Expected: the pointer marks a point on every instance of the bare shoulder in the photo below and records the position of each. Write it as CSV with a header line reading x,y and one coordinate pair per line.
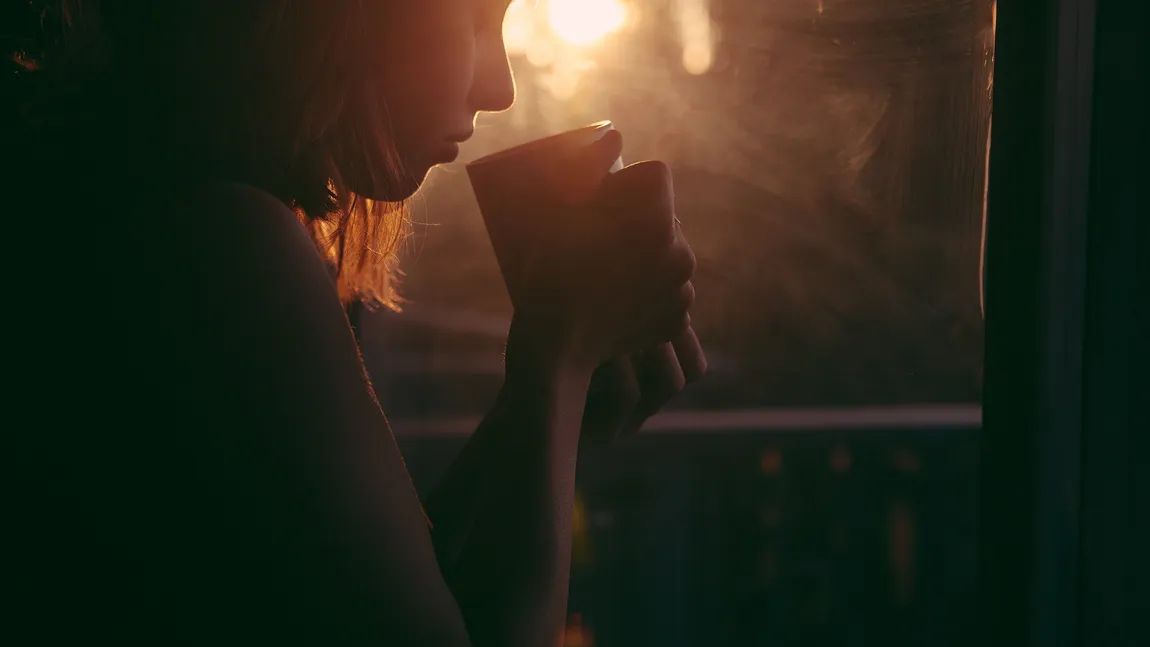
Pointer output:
x,y
248,268
261,299
296,434
241,229
242,213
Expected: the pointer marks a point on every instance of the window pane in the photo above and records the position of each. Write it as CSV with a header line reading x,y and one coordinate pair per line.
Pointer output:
x,y
829,160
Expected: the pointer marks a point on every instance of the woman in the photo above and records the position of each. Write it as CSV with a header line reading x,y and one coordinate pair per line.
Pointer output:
x,y
195,155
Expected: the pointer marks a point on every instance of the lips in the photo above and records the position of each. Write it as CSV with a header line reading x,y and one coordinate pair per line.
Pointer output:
x,y
448,152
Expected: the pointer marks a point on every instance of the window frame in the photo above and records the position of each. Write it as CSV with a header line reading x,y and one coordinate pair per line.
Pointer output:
x,y
1058,505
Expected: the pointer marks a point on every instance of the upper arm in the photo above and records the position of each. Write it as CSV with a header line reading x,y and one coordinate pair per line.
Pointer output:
x,y
313,509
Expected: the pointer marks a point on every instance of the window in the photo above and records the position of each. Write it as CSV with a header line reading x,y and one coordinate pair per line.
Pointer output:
x,y
830,164
829,159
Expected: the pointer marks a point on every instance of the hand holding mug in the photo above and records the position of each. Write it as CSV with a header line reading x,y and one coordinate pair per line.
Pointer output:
x,y
596,266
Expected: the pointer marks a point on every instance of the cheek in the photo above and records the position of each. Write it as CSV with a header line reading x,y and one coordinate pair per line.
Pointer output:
x,y
428,75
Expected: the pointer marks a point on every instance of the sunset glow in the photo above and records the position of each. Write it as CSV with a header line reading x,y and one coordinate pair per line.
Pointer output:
x,y
560,38
577,23
582,22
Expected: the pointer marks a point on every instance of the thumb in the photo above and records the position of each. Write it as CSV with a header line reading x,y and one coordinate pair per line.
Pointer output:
x,y
576,179
602,155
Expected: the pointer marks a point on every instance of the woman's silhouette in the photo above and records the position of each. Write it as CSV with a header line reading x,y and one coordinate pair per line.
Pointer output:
x,y
211,464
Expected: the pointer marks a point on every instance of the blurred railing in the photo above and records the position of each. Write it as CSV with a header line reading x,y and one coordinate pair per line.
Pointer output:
x,y
833,529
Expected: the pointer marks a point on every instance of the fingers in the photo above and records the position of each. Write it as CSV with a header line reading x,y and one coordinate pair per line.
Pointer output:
x,y
641,198
646,267
577,180
660,379
680,261
603,154
640,203
670,317
630,389
689,352
611,400
666,271
682,301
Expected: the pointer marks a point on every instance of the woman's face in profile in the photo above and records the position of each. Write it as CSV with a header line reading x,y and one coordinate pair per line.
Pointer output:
x,y
440,62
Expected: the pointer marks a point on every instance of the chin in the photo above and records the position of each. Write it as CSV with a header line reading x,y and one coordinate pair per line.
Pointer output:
x,y
372,174
395,189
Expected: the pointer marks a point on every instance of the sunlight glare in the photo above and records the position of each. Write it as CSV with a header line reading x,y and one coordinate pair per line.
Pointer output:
x,y
582,22
518,27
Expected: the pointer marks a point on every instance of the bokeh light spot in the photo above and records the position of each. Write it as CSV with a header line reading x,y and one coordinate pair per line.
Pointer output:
x,y
582,22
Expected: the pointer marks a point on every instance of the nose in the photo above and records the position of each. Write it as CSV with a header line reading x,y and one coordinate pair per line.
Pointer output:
x,y
493,86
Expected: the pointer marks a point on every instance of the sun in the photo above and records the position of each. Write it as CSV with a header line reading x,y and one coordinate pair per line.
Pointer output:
x,y
561,34
582,22
575,22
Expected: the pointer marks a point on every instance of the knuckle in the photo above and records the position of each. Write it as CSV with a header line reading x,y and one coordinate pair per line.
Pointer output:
x,y
676,267
685,299
692,261
684,263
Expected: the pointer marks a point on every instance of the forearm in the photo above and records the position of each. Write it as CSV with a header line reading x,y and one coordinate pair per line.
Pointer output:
x,y
511,574
454,503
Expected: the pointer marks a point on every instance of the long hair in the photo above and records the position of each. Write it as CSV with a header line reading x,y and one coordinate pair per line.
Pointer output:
x,y
268,92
